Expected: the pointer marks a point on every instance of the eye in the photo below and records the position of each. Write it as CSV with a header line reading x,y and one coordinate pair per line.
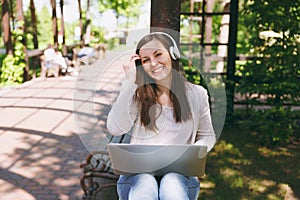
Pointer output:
x,y
145,60
158,54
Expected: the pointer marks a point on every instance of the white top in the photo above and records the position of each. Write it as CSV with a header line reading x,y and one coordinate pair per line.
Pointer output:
x,y
169,132
199,130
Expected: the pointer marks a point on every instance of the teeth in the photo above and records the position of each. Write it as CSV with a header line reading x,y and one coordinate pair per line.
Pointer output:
x,y
157,70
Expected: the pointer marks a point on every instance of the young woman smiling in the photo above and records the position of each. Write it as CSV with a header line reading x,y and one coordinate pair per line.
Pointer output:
x,y
163,108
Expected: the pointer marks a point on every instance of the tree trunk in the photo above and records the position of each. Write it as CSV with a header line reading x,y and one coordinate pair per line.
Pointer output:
x,y
11,13
80,21
34,25
20,18
6,28
62,30
36,60
54,23
87,24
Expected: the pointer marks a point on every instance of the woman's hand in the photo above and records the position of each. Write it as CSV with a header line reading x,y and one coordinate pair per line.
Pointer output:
x,y
129,67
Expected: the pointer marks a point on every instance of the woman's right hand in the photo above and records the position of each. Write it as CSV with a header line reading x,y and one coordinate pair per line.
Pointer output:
x,y
130,68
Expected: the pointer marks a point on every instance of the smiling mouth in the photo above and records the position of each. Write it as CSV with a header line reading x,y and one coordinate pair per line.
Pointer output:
x,y
157,70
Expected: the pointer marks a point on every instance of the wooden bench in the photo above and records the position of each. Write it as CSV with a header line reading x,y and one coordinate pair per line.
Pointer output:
x,y
98,180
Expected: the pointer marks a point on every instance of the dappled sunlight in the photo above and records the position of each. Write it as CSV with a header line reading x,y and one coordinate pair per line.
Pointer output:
x,y
207,184
227,172
231,154
223,147
241,169
260,186
40,153
266,152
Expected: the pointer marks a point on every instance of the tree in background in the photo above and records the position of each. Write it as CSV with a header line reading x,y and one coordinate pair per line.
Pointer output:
x,y
34,25
54,23
126,8
20,43
44,27
15,68
80,20
6,28
273,77
62,28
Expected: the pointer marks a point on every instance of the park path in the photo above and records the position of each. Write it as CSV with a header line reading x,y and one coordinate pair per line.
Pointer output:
x,y
43,129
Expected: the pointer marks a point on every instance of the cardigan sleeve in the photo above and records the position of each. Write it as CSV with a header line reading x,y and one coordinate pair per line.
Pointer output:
x,y
205,133
124,110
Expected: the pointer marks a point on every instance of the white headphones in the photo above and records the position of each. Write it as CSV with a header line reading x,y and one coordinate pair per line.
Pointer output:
x,y
174,50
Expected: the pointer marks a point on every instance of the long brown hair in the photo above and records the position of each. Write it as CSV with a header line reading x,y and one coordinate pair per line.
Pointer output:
x,y
147,91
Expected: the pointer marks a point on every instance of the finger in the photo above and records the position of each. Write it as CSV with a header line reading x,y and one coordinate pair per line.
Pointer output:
x,y
135,57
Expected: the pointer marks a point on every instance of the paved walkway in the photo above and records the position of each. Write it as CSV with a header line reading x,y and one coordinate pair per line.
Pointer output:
x,y
48,126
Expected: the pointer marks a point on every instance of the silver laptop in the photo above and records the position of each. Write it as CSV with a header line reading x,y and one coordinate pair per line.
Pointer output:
x,y
188,160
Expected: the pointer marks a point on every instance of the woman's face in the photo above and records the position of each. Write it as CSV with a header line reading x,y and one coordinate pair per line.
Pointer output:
x,y
156,60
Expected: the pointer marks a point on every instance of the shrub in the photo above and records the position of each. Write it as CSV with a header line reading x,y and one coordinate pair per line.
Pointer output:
x,y
270,127
11,71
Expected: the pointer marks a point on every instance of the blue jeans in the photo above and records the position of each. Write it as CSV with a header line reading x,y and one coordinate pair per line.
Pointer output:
x,y
149,187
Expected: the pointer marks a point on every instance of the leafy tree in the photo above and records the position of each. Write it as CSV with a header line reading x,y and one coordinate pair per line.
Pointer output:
x,y
125,8
275,73
44,28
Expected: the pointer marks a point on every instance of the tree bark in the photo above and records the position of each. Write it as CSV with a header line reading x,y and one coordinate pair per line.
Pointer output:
x,y
34,25
6,28
87,24
62,30
54,23
80,21
20,18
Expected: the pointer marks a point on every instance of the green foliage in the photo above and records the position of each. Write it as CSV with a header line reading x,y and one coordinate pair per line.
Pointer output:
x,y
13,65
11,71
126,8
239,168
270,127
44,27
192,74
273,77
276,71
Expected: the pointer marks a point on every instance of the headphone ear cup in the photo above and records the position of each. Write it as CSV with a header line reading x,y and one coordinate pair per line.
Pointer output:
x,y
172,54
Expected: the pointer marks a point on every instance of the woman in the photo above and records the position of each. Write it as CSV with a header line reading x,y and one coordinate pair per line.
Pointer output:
x,y
163,108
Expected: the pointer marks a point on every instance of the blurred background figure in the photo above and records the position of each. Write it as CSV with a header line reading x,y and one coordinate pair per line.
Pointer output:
x,y
54,63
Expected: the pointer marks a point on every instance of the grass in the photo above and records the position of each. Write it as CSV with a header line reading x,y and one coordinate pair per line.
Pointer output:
x,y
239,169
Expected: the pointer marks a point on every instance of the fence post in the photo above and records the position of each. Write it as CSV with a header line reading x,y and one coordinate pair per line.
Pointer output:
x,y
230,74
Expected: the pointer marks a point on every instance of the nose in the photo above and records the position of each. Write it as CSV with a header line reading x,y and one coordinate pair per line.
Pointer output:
x,y
153,62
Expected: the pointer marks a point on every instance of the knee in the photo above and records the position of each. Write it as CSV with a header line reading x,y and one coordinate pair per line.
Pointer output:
x,y
172,187
147,179
172,179
146,187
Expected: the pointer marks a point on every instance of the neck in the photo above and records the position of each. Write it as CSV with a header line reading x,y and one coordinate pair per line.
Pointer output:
x,y
163,96
164,85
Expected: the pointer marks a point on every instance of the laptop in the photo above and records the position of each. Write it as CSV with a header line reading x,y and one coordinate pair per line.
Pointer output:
x,y
188,160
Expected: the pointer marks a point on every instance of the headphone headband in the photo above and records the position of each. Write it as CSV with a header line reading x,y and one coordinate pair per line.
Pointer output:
x,y
174,50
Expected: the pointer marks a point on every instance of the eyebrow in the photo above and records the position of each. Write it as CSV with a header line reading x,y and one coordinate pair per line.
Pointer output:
x,y
153,53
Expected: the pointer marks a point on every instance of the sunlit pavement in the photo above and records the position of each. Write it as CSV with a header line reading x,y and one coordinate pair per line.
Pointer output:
x,y
41,147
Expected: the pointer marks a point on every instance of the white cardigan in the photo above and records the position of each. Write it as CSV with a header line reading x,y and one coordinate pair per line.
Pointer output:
x,y
124,112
